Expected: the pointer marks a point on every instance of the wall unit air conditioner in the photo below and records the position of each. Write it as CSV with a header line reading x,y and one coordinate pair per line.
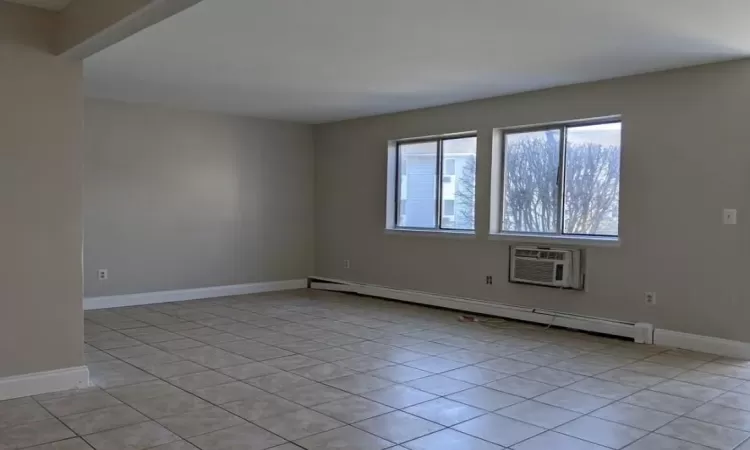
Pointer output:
x,y
553,267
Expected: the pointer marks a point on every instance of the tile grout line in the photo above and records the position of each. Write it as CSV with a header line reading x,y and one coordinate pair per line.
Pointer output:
x,y
427,356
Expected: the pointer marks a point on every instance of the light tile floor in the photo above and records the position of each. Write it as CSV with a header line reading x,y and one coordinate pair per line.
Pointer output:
x,y
320,370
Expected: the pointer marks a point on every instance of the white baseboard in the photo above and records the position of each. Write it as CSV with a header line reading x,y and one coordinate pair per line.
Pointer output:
x,y
148,298
705,344
44,382
545,317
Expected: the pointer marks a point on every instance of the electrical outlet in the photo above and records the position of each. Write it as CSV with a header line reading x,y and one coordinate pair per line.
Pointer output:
x,y
650,298
347,264
730,217
488,280
103,274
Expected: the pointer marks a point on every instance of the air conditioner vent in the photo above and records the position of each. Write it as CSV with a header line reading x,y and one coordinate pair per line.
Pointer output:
x,y
542,271
547,267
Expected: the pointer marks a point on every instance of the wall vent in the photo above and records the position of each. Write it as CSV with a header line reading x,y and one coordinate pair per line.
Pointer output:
x,y
560,268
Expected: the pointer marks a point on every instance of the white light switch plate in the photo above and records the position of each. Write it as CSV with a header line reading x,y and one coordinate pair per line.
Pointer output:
x,y
730,217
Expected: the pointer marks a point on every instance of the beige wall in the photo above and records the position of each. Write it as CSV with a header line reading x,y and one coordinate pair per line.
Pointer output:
x,y
686,156
41,315
179,200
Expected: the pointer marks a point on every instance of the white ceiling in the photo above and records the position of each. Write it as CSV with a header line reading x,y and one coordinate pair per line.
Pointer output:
x,y
325,60
52,5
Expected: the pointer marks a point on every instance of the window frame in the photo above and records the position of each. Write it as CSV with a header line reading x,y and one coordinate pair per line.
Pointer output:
x,y
562,127
439,140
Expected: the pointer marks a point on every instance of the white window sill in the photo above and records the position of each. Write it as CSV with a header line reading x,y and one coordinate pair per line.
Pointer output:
x,y
582,241
416,232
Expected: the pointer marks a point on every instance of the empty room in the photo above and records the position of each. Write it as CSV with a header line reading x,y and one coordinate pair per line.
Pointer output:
x,y
370,225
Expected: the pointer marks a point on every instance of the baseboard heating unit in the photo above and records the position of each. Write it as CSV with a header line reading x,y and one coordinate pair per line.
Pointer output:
x,y
640,332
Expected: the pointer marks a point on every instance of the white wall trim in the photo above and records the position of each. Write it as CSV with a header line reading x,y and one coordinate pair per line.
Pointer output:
x,y
44,382
140,19
556,239
545,317
148,298
445,234
705,344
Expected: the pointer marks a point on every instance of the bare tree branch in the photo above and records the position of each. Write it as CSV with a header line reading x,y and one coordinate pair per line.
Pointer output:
x,y
465,194
592,175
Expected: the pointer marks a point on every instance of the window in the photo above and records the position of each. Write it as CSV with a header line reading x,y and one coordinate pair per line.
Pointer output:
x,y
448,207
449,167
562,179
422,201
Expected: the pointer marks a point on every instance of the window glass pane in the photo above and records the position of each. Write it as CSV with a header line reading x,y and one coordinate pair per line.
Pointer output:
x,y
592,179
532,161
448,207
460,158
449,167
417,185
